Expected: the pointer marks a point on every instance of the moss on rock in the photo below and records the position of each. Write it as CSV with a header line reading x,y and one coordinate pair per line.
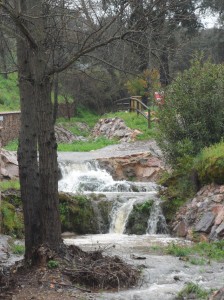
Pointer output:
x,y
12,214
138,218
77,214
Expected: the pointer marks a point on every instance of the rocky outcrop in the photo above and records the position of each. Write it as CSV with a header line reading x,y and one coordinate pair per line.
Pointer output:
x,y
114,128
65,136
9,164
202,218
138,167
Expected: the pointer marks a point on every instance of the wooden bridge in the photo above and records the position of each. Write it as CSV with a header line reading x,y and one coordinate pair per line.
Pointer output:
x,y
134,104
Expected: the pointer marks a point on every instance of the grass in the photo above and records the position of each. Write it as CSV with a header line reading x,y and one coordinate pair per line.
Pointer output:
x,y
9,93
9,184
195,290
81,146
135,122
18,249
201,251
90,119
12,146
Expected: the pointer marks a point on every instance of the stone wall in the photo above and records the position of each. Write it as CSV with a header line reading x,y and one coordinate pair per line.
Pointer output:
x,y
10,124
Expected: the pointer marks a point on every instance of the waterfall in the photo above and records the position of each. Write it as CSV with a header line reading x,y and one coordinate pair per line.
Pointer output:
x,y
89,178
119,216
156,222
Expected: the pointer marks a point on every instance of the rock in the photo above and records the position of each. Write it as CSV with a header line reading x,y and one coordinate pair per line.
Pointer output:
x,y
9,167
65,136
114,128
181,229
206,222
218,295
202,214
142,167
220,230
220,216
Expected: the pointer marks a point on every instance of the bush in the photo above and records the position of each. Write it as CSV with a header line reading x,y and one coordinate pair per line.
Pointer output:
x,y
193,114
210,164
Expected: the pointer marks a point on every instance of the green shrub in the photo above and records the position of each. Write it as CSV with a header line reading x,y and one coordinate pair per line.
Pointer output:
x,y
193,114
194,291
53,264
9,93
12,220
9,184
210,164
77,214
18,249
177,250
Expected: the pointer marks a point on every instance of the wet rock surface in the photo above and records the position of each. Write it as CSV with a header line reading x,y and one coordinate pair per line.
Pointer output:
x,y
138,167
203,216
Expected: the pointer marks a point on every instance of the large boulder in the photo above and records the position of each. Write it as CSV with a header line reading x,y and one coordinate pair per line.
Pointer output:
x,y
65,136
9,164
138,167
202,218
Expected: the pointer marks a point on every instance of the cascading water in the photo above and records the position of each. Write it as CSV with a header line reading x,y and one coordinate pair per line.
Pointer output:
x,y
88,178
119,216
157,221
162,276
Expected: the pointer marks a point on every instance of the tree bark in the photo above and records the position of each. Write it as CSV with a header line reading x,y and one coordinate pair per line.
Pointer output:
x,y
39,180
48,167
27,152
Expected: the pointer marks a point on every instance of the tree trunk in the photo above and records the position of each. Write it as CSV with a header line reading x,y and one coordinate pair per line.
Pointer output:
x,y
3,56
164,67
55,112
48,167
39,182
27,152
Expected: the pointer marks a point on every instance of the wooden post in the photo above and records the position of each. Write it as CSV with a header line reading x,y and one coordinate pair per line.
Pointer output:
x,y
149,117
138,106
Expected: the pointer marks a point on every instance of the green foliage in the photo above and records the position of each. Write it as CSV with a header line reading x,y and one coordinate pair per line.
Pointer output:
x,y
177,250
210,164
138,218
12,146
83,115
9,93
181,185
214,250
77,214
145,84
193,290
12,220
17,249
9,184
193,114
53,264
200,251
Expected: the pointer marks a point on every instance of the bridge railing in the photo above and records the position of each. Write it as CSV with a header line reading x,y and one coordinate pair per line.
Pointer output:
x,y
134,104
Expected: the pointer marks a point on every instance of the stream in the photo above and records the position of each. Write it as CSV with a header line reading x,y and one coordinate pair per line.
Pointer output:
x,y
163,276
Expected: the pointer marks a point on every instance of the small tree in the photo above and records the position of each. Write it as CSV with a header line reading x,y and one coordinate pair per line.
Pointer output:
x,y
193,114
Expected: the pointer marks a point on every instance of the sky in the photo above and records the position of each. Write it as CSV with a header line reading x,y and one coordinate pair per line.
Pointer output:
x,y
209,21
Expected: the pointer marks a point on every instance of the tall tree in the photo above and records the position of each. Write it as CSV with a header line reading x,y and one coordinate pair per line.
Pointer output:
x,y
45,46
51,36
